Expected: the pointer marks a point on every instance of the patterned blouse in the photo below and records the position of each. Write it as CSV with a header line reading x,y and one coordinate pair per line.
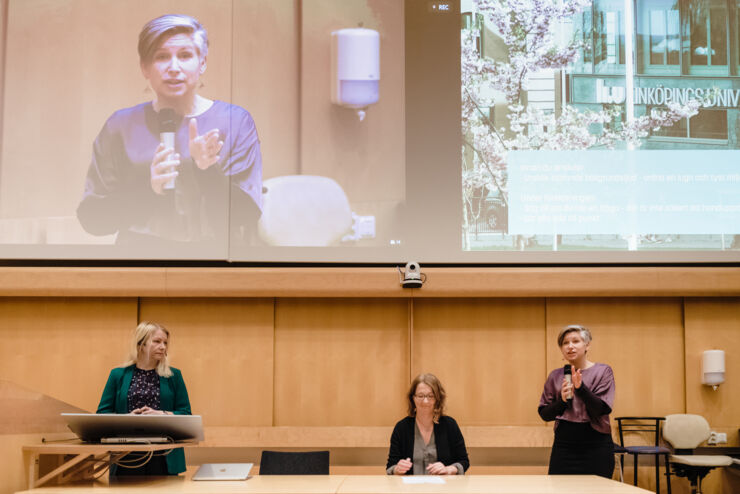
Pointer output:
x,y
144,390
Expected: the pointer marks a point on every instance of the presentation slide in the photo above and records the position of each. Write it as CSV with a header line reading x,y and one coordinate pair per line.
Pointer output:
x,y
568,147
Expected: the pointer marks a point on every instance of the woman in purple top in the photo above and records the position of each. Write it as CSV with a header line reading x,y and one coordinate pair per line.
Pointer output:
x,y
151,193
580,405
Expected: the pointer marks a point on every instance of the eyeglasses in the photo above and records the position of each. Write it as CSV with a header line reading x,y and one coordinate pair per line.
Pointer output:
x,y
429,397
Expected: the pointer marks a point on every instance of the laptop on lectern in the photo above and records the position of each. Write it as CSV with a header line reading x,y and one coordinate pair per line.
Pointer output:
x,y
119,428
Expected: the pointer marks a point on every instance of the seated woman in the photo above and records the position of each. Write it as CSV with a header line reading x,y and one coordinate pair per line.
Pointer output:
x,y
427,442
146,384
580,407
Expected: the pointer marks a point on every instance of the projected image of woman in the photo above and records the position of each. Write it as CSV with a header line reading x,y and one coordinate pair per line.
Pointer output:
x,y
146,384
580,405
427,442
146,191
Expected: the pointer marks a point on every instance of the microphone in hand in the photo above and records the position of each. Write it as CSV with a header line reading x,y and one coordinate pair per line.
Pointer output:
x,y
167,128
568,376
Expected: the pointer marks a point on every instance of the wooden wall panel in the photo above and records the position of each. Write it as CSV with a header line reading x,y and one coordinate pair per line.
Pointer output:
x,y
641,339
224,348
488,353
352,354
714,324
64,348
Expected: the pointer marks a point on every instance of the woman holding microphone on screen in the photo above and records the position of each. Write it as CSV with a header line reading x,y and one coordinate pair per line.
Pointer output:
x,y
579,398
181,167
147,385
427,442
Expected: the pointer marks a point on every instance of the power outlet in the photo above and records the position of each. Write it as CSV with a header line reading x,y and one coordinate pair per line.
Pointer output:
x,y
717,438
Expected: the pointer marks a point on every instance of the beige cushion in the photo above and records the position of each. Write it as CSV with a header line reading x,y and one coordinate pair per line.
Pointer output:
x,y
702,460
304,211
685,431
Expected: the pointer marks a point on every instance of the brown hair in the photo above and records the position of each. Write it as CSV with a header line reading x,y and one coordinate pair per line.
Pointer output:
x,y
439,394
153,31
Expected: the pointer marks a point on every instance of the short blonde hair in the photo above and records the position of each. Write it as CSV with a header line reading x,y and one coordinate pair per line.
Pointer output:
x,y
440,395
142,335
153,33
583,330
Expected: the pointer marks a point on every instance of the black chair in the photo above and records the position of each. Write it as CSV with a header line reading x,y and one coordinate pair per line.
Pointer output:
x,y
294,463
650,426
620,451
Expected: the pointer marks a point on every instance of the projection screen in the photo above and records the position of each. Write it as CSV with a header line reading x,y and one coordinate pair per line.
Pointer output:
x,y
370,131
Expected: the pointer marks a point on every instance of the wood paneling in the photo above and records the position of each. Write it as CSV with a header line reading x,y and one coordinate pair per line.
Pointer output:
x,y
368,282
224,349
641,339
353,354
64,348
488,353
581,282
81,282
714,324
492,436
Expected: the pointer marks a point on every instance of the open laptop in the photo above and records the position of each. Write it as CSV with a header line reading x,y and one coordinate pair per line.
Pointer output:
x,y
223,471
123,428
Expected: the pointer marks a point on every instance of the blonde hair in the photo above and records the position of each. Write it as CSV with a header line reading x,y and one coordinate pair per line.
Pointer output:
x,y
582,330
156,30
439,395
141,336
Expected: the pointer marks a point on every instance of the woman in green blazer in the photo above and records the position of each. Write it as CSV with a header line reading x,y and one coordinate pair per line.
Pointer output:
x,y
146,384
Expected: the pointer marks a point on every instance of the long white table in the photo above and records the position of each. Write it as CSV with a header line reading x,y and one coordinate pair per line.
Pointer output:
x,y
353,484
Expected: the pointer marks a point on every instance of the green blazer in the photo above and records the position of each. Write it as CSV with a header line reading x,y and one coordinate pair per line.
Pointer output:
x,y
173,397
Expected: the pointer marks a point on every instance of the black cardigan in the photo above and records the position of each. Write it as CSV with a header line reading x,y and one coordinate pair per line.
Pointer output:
x,y
447,436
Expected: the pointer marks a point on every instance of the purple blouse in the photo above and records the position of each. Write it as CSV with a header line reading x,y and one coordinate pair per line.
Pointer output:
x,y
599,379
118,197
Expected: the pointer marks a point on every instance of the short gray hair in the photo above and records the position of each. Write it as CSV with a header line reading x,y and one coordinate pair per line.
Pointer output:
x,y
583,330
153,32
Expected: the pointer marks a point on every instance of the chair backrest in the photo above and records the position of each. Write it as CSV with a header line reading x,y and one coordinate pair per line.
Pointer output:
x,y
304,211
685,431
294,463
644,425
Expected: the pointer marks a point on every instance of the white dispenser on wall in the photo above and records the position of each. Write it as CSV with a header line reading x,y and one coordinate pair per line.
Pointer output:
x,y
355,67
713,368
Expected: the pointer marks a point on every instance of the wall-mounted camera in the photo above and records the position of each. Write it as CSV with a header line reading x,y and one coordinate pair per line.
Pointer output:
x,y
412,277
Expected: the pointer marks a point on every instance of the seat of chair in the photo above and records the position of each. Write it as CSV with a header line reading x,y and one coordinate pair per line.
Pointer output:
x,y
702,460
647,450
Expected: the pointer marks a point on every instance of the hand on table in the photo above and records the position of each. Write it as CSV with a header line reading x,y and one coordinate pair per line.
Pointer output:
x,y
402,467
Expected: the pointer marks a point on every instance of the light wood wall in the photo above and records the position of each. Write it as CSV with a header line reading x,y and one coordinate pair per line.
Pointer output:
x,y
332,371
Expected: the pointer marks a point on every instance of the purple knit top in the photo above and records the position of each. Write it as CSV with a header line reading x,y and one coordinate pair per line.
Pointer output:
x,y
599,379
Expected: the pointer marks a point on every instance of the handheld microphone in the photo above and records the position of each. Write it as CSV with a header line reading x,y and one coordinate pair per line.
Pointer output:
x,y
167,127
569,378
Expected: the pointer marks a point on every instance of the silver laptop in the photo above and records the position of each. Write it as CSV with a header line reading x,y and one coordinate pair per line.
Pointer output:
x,y
223,471
95,427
